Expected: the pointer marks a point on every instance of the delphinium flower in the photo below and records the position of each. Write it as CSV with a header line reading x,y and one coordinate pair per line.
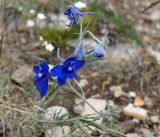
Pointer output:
x,y
100,51
80,50
67,70
73,14
41,77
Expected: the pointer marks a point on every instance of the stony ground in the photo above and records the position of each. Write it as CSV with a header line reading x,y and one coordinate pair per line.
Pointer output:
x,y
131,74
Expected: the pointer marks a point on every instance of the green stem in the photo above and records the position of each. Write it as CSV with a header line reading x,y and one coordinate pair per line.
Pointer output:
x,y
51,96
82,98
82,91
94,37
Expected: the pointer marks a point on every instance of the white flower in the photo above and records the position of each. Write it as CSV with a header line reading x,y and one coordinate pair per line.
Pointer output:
x,y
48,46
32,11
41,38
41,16
80,4
30,23
20,8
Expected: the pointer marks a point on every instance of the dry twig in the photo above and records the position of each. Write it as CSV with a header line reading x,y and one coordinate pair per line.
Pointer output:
x,y
151,6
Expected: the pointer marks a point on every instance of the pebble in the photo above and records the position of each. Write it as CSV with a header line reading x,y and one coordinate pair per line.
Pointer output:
x,y
136,112
98,104
138,102
78,101
117,91
155,119
56,131
83,83
78,109
132,94
94,87
155,15
22,74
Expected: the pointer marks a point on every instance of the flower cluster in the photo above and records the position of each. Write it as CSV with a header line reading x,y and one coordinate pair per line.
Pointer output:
x,y
68,67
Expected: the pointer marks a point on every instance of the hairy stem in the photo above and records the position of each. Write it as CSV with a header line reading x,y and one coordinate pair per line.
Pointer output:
x,y
79,95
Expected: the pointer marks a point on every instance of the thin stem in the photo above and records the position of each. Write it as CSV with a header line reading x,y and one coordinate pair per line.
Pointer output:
x,y
53,95
3,26
96,39
82,98
81,27
14,109
82,91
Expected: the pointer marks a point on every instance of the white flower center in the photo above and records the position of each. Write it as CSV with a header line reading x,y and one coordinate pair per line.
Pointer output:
x,y
69,68
39,75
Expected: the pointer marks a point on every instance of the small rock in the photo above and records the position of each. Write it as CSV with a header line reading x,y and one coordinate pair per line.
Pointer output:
x,y
155,119
131,135
123,52
117,91
135,120
83,83
94,87
22,74
78,109
78,101
135,112
138,102
146,132
155,15
132,94
56,131
99,105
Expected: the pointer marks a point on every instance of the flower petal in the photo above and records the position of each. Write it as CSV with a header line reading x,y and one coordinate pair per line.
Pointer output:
x,y
62,81
69,60
42,87
43,65
56,71
99,51
71,23
36,69
78,64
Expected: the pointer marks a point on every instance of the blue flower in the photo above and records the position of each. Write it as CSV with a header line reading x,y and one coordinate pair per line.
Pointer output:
x,y
67,70
99,51
73,15
80,51
41,77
